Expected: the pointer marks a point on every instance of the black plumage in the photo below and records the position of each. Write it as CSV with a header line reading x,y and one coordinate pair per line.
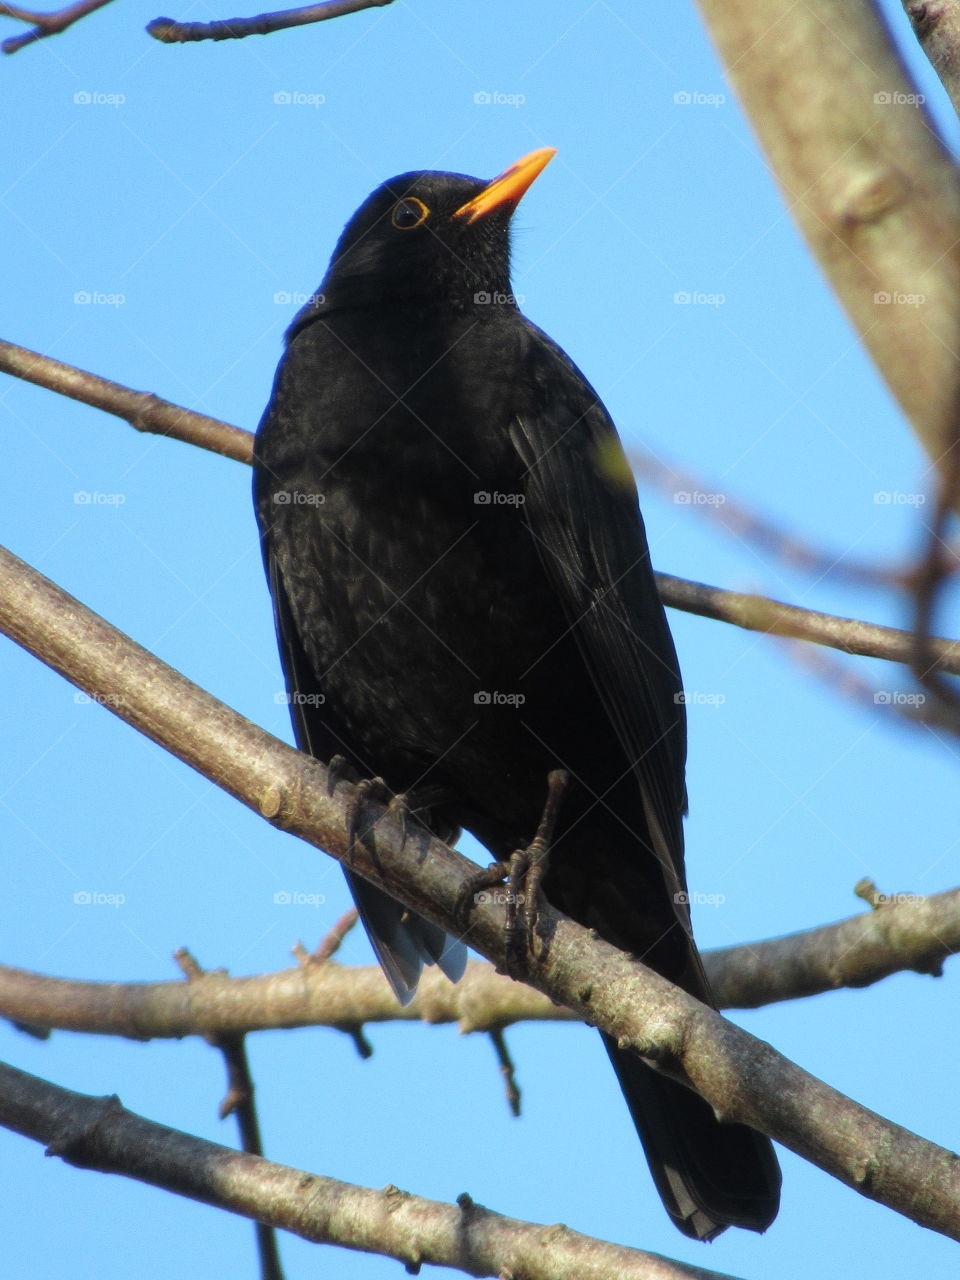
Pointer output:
x,y
464,602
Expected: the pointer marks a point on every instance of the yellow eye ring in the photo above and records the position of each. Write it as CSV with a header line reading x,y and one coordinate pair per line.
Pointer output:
x,y
409,213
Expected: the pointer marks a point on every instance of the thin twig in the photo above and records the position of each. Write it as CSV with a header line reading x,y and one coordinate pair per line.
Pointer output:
x,y
169,31
330,945
143,410
759,533
906,706
937,563
773,617
45,24
239,1101
507,1069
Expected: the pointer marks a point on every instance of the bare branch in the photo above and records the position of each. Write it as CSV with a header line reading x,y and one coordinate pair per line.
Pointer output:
x,y
100,1134
907,706
873,189
759,613
143,410
330,945
147,412
905,931
169,31
937,564
239,1102
45,24
756,531
742,1078
937,27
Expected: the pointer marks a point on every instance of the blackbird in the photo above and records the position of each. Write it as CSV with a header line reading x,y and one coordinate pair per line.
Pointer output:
x,y
466,610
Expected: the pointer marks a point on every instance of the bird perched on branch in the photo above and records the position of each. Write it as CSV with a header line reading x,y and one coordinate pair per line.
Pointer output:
x,y
466,611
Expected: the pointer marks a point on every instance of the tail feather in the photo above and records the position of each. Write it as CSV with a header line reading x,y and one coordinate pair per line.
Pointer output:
x,y
710,1175
404,941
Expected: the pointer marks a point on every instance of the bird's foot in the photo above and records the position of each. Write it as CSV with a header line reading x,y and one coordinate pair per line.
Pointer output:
x,y
400,806
523,874
367,789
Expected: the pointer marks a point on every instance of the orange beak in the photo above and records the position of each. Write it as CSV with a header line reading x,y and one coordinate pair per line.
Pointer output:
x,y
509,187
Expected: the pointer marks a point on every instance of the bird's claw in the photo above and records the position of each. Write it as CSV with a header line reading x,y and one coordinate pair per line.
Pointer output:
x,y
523,873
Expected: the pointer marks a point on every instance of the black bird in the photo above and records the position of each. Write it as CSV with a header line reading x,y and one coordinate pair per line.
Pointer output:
x,y
465,607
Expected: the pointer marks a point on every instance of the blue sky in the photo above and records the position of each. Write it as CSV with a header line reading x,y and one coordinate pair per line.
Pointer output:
x,y
189,193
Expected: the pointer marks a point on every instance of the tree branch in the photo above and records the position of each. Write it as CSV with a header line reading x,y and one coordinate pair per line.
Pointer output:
x,y
742,1078
874,191
147,412
904,931
143,410
937,28
169,31
100,1134
754,530
45,24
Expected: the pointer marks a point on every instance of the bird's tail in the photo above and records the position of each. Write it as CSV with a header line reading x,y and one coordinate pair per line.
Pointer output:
x,y
710,1175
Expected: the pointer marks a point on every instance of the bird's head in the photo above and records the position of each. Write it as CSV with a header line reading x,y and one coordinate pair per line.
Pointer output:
x,y
428,239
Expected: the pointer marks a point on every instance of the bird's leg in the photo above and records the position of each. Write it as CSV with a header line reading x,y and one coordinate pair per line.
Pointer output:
x,y
523,872
528,867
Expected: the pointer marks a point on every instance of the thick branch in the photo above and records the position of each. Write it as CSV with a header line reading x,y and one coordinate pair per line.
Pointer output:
x,y
904,932
742,1078
937,27
148,412
862,170
100,1134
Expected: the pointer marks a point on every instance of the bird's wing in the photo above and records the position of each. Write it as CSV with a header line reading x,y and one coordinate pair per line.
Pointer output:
x,y
581,509
402,940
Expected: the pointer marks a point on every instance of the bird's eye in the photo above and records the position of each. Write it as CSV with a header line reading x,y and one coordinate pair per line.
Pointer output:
x,y
408,214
